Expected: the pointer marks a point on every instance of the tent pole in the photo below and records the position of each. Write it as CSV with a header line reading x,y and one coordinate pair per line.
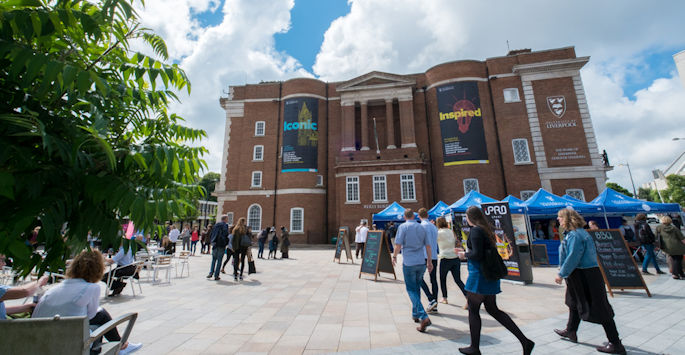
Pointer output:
x,y
606,220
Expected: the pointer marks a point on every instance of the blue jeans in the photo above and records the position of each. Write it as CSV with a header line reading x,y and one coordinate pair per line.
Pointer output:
x,y
217,256
413,275
261,248
649,257
193,246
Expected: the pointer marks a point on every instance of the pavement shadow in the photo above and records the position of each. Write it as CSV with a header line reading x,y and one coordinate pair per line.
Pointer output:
x,y
541,285
629,349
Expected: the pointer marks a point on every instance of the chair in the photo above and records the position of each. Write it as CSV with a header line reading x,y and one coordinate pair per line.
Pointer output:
x,y
59,335
162,262
183,259
139,267
148,260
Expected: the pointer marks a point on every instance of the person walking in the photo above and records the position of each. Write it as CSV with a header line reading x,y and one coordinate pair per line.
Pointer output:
x,y
241,241
390,234
194,238
229,253
586,297
432,235
185,237
273,243
647,239
208,239
219,240
481,290
673,244
411,239
360,238
173,237
449,260
261,241
285,245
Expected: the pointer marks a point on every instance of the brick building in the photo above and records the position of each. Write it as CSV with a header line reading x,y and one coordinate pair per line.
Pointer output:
x,y
314,156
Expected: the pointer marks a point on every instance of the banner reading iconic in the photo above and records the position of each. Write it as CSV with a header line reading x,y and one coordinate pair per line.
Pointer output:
x,y
300,134
461,124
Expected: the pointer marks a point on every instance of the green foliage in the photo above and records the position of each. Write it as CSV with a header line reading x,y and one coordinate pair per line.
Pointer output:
x,y
646,194
87,139
618,188
675,192
208,182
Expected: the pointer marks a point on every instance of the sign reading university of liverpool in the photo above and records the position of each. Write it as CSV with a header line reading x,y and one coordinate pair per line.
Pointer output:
x,y
300,134
461,124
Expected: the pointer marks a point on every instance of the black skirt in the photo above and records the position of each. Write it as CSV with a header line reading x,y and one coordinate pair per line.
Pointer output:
x,y
586,293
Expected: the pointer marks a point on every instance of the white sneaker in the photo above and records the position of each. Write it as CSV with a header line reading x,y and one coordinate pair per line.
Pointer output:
x,y
132,347
432,306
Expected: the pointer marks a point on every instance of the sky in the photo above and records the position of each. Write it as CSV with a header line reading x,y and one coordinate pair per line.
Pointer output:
x,y
633,90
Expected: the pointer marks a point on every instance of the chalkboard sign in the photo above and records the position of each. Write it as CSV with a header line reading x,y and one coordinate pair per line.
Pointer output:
x,y
343,243
615,261
376,255
540,256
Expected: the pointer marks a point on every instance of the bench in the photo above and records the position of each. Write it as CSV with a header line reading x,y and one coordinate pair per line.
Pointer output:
x,y
59,335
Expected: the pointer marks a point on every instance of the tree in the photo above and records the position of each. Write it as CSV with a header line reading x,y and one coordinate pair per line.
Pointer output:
x,y
645,194
675,192
618,188
208,182
87,139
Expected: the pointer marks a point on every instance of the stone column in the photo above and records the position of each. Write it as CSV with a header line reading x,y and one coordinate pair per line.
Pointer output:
x,y
365,126
347,126
407,124
390,124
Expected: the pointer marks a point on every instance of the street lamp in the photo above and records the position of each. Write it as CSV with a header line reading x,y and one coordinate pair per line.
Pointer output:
x,y
631,177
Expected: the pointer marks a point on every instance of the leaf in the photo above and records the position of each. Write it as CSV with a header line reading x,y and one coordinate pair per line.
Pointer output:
x,y
83,82
7,185
68,76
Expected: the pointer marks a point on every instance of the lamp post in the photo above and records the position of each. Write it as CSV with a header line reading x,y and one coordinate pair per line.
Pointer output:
x,y
631,177
206,207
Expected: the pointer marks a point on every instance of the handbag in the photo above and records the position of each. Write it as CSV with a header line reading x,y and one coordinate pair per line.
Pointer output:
x,y
492,266
245,241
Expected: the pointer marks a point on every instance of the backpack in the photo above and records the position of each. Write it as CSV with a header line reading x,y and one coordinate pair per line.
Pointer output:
x,y
219,238
629,234
492,265
245,240
645,233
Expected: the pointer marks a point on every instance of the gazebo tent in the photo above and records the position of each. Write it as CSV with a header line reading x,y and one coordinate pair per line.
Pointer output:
x,y
571,198
547,203
440,209
613,202
393,213
473,198
515,205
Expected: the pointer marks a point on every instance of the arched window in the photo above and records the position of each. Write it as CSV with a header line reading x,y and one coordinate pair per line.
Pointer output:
x,y
254,217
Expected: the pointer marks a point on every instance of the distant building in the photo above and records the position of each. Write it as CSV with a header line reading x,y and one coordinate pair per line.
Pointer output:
x,y
314,156
659,182
207,212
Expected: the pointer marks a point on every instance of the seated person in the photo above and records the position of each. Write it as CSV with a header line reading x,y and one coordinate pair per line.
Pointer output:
x,y
13,293
79,295
167,245
125,267
538,233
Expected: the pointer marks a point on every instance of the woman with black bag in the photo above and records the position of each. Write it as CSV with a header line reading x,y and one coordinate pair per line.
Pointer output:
x,y
242,240
483,259
586,297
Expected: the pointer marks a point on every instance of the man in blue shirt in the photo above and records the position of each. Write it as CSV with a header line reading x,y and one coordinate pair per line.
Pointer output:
x,y
432,235
125,267
411,239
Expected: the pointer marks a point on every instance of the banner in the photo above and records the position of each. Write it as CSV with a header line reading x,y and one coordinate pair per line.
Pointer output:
x,y
499,216
461,124
300,135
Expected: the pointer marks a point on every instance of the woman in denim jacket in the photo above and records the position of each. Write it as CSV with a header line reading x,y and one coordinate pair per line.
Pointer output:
x,y
586,296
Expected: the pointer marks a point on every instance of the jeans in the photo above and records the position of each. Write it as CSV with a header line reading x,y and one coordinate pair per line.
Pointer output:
x,y
193,246
413,275
186,243
649,257
239,259
432,293
217,256
260,253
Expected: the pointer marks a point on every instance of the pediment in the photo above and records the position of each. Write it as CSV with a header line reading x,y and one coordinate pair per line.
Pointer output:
x,y
376,80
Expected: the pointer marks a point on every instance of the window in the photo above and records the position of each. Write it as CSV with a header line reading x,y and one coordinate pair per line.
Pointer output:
x,y
407,183
319,180
297,220
526,194
256,179
470,185
379,188
258,153
521,152
576,193
511,95
259,128
254,217
230,218
353,189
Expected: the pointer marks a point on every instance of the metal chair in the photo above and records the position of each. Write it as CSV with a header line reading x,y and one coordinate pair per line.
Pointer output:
x,y
162,262
133,279
148,261
183,259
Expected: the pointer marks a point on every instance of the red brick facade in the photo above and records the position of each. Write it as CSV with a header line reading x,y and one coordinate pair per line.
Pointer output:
x,y
562,150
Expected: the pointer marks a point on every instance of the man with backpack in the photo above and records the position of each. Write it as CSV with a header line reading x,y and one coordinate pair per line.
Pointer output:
x,y
219,241
647,240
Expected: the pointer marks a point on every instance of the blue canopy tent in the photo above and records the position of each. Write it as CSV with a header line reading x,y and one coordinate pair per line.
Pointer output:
x,y
613,202
571,198
473,198
547,203
515,205
440,209
393,213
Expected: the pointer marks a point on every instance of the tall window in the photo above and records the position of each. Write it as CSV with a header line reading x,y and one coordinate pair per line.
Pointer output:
x,y
407,183
352,189
297,220
230,218
380,192
511,95
254,217
471,185
259,128
521,152
256,179
576,193
526,194
258,153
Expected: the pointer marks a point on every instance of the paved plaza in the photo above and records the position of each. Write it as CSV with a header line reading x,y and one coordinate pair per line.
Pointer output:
x,y
309,304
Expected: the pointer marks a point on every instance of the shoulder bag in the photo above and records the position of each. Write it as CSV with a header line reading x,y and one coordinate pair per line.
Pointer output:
x,y
492,266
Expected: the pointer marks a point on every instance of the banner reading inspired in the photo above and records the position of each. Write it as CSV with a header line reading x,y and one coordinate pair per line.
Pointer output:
x,y
300,134
461,124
